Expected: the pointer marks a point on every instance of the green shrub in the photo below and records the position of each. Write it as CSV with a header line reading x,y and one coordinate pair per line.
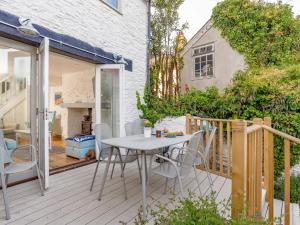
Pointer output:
x,y
196,210
255,93
295,189
265,33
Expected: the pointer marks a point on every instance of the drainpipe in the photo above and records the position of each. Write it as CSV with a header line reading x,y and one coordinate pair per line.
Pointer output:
x,y
148,47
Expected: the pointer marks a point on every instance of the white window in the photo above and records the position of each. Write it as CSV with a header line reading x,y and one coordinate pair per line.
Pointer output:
x,y
204,61
113,3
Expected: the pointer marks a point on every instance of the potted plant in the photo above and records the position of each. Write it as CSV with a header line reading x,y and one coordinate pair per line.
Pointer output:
x,y
147,128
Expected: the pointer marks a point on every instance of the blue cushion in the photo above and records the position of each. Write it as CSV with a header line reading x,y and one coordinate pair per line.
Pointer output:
x,y
84,144
10,143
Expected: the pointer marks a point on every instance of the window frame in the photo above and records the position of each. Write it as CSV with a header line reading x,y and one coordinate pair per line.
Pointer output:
x,y
118,9
194,57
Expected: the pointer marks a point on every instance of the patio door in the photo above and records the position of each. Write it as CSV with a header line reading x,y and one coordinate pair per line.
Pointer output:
x,y
43,124
109,93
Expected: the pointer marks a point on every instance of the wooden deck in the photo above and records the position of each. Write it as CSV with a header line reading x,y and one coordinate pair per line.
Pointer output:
x,y
69,201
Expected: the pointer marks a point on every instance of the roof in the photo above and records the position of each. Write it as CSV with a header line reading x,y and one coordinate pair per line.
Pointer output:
x,y
203,30
60,43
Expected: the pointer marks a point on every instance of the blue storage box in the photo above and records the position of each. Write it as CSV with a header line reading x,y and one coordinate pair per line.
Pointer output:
x,y
78,147
78,153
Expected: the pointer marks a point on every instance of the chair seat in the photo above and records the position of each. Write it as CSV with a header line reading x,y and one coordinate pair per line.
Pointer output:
x,y
18,167
165,169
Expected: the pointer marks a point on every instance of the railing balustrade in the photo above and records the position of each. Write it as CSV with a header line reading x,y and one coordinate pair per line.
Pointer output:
x,y
244,151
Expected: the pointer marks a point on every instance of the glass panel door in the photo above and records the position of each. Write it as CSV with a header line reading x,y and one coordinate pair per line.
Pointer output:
x,y
110,103
17,120
109,97
43,122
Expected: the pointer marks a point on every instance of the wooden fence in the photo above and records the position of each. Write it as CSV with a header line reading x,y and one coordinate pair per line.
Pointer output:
x,y
244,151
221,154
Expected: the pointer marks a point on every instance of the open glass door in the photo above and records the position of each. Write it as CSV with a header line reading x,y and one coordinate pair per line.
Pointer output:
x,y
43,124
109,85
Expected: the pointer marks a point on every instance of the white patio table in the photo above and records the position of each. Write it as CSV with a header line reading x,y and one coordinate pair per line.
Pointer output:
x,y
139,142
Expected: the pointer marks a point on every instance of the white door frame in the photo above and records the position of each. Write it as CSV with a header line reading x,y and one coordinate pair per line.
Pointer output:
x,y
43,104
121,69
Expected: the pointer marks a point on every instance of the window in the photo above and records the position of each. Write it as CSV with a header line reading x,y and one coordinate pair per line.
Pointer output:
x,y
204,61
204,49
113,3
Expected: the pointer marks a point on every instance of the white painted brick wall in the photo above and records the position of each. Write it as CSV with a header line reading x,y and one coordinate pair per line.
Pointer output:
x,y
96,23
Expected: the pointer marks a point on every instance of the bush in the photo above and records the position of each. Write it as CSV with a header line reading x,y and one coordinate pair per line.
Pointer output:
x,y
265,33
255,93
196,210
295,189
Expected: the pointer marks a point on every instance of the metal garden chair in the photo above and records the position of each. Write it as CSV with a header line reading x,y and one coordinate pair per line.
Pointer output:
x,y
186,160
136,127
10,167
103,132
133,128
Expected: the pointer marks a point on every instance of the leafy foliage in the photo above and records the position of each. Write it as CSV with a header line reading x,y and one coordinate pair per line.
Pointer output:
x,y
167,40
273,92
295,189
196,210
265,33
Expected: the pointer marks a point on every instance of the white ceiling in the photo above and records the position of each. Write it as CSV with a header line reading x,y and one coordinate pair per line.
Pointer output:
x,y
60,64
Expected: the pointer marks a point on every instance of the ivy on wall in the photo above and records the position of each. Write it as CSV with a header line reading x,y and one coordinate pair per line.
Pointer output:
x,y
265,33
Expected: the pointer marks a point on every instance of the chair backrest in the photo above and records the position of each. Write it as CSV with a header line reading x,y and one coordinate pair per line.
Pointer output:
x,y
191,153
102,132
199,158
4,154
208,143
134,127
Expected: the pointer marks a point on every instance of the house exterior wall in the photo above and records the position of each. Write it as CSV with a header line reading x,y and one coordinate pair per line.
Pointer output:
x,y
92,21
226,61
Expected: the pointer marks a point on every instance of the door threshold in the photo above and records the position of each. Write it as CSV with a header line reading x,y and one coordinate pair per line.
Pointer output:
x,y
72,166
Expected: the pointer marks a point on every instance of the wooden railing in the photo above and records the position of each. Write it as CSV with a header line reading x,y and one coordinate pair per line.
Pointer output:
x,y
244,151
253,167
221,153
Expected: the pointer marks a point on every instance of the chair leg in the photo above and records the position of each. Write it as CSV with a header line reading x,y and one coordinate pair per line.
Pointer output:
x,y
208,176
124,164
139,167
180,185
7,212
113,168
174,185
6,179
122,174
166,185
95,173
196,176
40,180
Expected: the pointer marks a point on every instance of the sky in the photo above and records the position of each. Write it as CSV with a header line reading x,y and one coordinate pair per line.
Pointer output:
x,y
198,12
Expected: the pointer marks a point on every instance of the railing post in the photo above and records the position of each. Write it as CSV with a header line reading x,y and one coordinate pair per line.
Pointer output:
x,y
239,167
269,166
258,183
188,124
287,181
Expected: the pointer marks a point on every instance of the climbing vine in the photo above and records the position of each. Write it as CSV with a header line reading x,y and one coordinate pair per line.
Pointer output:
x,y
265,33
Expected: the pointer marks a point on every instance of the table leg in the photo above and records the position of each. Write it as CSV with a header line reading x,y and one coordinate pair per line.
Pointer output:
x,y
144,188
105,173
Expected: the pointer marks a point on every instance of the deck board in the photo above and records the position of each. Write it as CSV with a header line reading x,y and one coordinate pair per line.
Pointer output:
x,y
69,201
